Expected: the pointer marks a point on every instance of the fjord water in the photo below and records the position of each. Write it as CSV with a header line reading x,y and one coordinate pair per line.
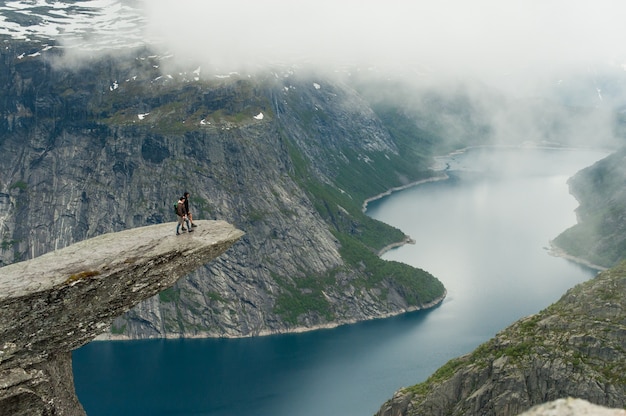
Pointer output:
x,y
483,233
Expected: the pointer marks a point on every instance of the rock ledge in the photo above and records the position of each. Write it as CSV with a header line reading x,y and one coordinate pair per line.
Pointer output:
x,y
58,302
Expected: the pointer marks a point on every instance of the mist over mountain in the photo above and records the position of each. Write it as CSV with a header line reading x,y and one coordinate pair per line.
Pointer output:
x,y
524,48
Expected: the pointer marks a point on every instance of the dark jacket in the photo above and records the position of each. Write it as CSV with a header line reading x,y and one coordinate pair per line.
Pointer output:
x,y
180,209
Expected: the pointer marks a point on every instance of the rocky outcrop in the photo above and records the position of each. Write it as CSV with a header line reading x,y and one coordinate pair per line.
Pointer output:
x,y
574,348
599,237
59,301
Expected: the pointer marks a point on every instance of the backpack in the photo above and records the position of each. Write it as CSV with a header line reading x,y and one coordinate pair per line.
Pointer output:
x,y
176,207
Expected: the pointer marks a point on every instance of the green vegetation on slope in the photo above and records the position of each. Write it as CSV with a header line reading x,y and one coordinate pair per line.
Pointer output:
x,y
360,236
341,206
305,297
416,286
600,235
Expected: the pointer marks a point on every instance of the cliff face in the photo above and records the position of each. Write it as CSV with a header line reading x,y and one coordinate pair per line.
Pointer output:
x,y
60,301
112,145
574,348
599,237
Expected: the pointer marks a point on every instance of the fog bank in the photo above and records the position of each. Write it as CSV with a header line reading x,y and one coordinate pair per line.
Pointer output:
x,y
504,43
549,71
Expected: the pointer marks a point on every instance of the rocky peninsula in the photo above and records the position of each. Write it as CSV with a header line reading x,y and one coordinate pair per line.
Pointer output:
x,y
61,300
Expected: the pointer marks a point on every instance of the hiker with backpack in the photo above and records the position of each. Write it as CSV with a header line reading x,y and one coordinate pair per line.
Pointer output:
x,y
182,216
189,216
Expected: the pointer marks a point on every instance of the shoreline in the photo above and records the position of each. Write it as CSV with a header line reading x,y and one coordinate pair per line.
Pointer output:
x,y
557,251
401,188
553,250
298,330
407,240
435,178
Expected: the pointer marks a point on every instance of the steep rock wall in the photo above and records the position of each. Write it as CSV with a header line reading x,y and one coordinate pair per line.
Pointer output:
x,y
599,237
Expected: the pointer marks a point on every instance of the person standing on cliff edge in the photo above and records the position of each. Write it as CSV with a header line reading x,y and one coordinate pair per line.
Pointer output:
x,y
189,216
182,216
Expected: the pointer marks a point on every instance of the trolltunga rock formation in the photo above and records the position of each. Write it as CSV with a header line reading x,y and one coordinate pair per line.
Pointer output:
x,y
61,300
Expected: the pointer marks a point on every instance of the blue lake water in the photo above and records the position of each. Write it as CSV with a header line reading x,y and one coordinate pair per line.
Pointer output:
x,y
483,233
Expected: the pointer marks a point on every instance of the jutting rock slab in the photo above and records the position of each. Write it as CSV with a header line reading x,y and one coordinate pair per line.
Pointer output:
x,y
59,301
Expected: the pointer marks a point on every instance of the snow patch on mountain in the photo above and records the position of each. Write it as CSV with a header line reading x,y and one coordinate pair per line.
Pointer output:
x,y
89,24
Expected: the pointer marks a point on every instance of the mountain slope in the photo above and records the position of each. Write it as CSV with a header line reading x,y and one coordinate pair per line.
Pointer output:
x,y
599,237
111,145
574,348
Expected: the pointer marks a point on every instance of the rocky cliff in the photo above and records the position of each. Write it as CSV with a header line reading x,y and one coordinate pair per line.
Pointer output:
x,y
59,301
111,144
599,237
574,348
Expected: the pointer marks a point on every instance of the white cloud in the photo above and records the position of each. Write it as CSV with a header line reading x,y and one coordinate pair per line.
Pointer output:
x,y
509,38
504,41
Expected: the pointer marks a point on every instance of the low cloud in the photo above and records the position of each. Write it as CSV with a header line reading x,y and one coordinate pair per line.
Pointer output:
x,y
500,42
541,52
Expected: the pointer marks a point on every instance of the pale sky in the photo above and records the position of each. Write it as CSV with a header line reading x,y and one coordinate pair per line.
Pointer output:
x,y
459,37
